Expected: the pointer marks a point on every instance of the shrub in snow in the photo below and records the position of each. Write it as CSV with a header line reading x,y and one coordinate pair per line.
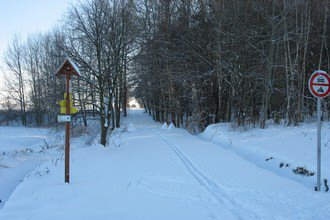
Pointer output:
x,y
282,164
194,123
4,166
270,158
79,130
276,117
242,127
326,185
303,171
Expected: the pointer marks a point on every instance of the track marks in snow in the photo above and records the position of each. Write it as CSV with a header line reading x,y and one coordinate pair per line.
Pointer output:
x,y
207,183
144,186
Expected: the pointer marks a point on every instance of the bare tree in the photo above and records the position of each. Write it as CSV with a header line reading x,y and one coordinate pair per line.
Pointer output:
x,y
13,58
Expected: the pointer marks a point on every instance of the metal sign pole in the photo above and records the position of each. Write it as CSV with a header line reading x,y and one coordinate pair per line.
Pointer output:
x,y
318,144
319,86
67,132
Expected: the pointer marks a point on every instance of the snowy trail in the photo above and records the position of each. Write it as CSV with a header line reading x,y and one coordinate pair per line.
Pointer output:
x,y
224,204
210,185
154,173
246,190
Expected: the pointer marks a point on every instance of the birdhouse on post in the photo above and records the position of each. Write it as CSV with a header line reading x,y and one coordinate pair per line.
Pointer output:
x,y
67,69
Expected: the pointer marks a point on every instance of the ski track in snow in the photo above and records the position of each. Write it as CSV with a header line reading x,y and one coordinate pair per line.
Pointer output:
x,y
142,185
210,185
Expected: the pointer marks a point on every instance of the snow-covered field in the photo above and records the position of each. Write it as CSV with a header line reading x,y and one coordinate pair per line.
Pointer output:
x,y
19,155
151,172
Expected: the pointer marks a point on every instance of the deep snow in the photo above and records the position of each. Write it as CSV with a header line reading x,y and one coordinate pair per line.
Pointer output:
x,y
150,172
21,151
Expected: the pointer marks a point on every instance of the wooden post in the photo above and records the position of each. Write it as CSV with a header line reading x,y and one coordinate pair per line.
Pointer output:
x,y
67,132
67,69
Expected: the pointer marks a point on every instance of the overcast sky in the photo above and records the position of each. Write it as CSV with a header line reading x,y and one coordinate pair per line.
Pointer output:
x,y
28,16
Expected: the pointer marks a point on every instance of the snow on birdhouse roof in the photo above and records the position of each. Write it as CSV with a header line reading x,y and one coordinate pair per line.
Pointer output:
x,y
68,67
74,66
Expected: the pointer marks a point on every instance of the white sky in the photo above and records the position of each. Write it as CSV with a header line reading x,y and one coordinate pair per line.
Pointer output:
x,y
28,16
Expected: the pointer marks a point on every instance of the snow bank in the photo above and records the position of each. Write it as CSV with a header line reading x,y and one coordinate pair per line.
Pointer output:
x,y
279,149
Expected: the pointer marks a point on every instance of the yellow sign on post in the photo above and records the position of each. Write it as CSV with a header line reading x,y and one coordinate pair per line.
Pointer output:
x,y
72,110
63,103
70,96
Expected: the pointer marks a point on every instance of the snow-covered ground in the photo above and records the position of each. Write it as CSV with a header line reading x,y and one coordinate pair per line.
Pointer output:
x,y
151,172
21,151
19,138
278,148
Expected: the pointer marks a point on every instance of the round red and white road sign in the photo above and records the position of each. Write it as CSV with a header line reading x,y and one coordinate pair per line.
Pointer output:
x,y
319,84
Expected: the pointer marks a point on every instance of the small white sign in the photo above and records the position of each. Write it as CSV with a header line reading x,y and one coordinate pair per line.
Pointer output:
x,y
63,118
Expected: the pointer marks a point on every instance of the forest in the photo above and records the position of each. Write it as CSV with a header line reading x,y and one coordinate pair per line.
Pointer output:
x,y
188,62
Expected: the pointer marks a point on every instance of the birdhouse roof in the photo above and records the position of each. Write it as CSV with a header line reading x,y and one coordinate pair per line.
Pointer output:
x,y
68,67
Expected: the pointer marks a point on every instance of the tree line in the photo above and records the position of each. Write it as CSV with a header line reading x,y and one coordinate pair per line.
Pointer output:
x,y
189,62
241,61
